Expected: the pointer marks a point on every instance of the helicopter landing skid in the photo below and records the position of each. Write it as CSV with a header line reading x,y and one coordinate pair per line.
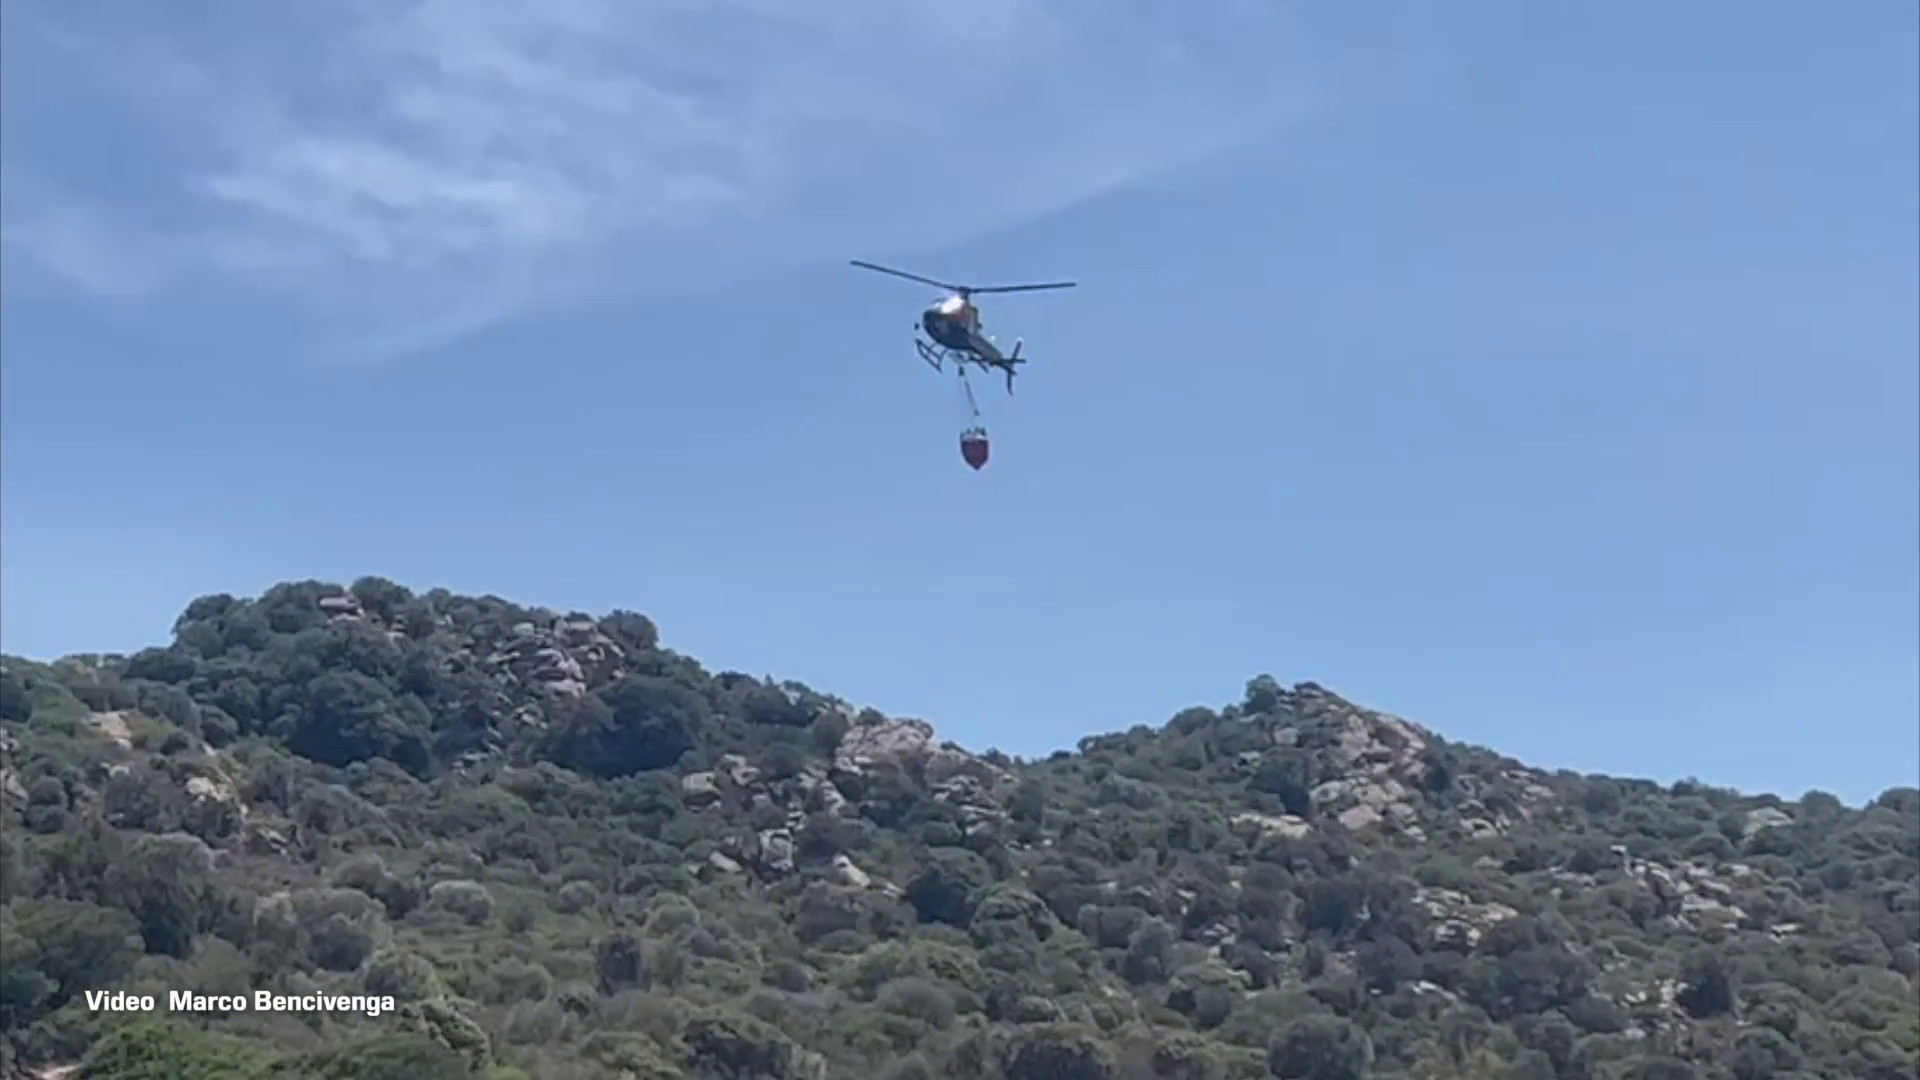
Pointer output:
x,y
934,355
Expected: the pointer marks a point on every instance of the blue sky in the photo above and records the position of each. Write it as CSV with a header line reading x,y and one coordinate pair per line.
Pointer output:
x,y
1546,374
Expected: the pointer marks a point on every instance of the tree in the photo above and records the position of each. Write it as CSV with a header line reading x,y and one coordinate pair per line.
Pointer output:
x,y
1205,993
146,1050
1552,1036
1288,776
1028,806
641,723
1149,948
1530,1065
1186,1057
54,950
631,630
618,960
1058,1052
765,704
944,889
1320,1048
409,1056
170,665
347,717
1333,905
1384,963
1707,984
381,599
740,1047
1263,694
1763,1053
1010,913
16,701
1660,1067
166,882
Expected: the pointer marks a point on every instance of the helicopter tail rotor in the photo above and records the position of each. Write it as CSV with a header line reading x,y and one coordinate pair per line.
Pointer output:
x,y
1013,362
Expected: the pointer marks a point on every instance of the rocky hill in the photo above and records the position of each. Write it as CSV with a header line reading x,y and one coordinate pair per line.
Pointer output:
x,y
568,852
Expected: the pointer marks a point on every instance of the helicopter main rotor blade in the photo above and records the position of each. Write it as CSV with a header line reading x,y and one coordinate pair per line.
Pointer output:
x,y
1024,288
912,277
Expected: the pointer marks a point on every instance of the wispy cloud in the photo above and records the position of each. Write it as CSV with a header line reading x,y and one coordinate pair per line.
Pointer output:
x,y
423,168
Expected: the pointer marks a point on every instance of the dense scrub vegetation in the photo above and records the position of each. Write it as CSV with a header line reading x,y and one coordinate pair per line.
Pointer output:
x,y
569,852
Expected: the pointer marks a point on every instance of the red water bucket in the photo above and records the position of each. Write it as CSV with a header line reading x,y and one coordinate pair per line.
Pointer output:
x,y
973,447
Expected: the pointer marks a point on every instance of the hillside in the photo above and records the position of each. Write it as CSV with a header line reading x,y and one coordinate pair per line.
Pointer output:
x,y
569,852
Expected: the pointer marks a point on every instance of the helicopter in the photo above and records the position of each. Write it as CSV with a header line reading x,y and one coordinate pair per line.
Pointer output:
x,y
952,325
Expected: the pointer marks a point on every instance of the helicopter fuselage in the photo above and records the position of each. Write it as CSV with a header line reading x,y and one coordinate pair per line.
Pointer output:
x,y
953,323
